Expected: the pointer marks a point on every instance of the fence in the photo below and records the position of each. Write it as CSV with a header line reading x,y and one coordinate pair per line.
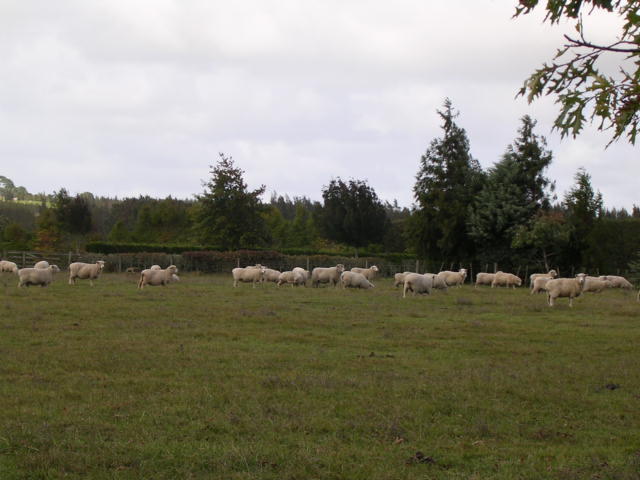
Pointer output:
x,y
119,262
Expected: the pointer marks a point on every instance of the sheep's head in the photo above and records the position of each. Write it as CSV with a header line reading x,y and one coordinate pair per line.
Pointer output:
x,y
100,264
340,267
54,268
518,281
375,269
581,278
173,269
553,273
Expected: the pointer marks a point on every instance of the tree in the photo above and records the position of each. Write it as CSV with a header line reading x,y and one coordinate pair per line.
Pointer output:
x,y
546,235
352,213
229,215
584,206
446,184
576,76
514,193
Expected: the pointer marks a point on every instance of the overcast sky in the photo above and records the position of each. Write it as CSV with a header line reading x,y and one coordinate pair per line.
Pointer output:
x,y
130,97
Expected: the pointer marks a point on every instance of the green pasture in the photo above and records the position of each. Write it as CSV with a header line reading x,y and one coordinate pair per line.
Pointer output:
x,y
199,380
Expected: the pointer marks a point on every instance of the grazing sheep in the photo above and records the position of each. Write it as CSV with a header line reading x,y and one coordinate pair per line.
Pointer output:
x,y
305,273
85,270
617,281
157,277
417,283
270,275
539,284
398,278
369,273
253,274
453,278
37,276
355,280
565,287
484,278
503,279
41,264
595,285
329,275
291,277
550,274
7,266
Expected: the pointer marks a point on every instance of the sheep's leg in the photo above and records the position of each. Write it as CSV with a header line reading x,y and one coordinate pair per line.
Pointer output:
x,y
91,282
571,301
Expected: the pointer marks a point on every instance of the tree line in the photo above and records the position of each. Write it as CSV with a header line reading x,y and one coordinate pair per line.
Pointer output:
x,y
508,214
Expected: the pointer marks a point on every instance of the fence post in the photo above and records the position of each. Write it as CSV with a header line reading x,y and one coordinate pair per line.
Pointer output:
x,y
238,262
417,266
307,264
24,259
119,263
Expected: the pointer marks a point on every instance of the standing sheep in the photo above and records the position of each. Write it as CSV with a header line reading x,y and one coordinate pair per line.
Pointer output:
x,y
484,278
329,275
503,279
369,273
453,278
252,274
270,275
417,283
37,276
7,266
550,274
398,278
355,280
617,281
85,270
565,287
292,277
539,284
305,274
157,277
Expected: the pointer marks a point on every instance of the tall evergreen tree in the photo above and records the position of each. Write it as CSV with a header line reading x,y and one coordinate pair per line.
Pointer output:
x,y
515,192
229,214
446,183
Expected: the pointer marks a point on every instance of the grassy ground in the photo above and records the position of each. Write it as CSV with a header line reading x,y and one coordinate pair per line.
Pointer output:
x,y
201,380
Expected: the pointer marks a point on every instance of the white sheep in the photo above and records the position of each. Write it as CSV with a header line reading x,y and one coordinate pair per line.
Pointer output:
x,y
595,284
291,277
305,273
417,283
617,281
550,274
369,273
439,282
330,275
271,275
484,278
37,276
398,278
539,284
453,278
85,270
565,287
502,279
355,280
157,277
253,274
7,266
41,264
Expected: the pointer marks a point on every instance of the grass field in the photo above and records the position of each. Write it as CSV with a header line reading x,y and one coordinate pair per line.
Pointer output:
x,y
201,380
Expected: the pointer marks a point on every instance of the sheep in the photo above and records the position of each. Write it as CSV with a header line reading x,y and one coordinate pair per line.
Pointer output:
x,y
85,270
595,285
550,274
369,273
484,278
506,280
253,274
355,280
565,287
617,281
329,275
7,266
131,270
453,278
292,277
398,278
417,283
37,276
305,273
157,277
539,284
271,275
41,264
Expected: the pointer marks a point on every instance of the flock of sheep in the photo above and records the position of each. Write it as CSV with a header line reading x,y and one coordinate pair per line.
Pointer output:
x,y
42,274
